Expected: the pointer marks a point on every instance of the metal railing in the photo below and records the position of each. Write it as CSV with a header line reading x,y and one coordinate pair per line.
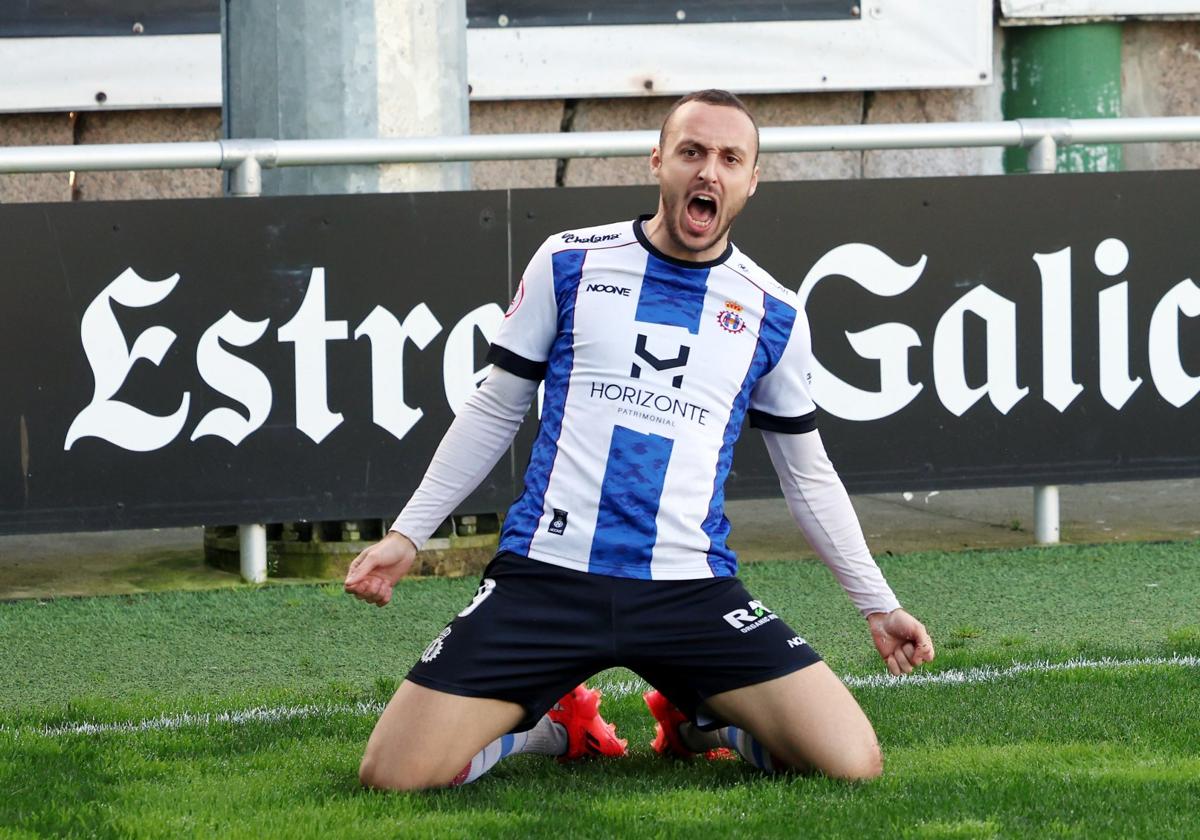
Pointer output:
x,y
234,154
246,159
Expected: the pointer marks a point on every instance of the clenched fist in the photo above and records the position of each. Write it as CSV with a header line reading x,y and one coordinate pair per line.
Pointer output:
x,y
376,570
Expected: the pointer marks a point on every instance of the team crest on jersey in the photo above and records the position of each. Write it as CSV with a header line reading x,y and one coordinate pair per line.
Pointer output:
x,y
730,318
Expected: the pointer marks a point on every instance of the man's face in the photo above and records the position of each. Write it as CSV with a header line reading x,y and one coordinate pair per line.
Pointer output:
x,y
706,172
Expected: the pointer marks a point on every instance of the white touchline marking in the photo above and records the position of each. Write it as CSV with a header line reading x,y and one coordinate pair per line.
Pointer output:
x,y
611,688
260,714
991,673
957,676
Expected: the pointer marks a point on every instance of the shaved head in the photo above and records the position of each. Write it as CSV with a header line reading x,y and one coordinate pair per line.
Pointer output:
x,y
711,96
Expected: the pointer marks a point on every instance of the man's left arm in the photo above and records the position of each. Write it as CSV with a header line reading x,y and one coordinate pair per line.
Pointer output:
x,y
821,507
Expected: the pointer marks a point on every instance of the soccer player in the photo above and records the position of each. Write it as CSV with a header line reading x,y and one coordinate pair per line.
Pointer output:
x,y
654,338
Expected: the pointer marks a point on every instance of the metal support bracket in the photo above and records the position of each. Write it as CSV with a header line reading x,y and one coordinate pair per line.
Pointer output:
x,y
245,159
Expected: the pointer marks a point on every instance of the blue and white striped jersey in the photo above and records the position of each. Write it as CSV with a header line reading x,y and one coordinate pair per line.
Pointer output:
x,y
650,365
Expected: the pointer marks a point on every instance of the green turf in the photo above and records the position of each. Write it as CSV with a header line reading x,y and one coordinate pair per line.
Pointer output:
x,y
1085,753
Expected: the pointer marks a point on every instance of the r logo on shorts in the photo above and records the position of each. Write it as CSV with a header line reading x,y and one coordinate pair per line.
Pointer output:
x,y
749,619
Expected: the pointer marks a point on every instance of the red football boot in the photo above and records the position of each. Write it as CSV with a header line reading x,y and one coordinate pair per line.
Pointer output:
x,y
587,733
667,740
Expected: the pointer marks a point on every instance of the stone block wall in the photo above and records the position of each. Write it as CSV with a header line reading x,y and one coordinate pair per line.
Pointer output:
x,y
35,130
1160,69
89,127
149,127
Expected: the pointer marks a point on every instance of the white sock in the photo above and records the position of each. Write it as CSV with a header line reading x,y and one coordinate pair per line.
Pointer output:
x,y
546,738
738,740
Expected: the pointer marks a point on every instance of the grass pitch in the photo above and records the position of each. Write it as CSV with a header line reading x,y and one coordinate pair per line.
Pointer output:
x,y
244,713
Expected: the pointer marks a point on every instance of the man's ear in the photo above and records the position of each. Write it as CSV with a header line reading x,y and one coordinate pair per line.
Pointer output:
x,y
753,182
655,161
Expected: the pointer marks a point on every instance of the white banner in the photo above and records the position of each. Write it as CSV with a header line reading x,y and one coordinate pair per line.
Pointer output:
x,y
926,44
1096,8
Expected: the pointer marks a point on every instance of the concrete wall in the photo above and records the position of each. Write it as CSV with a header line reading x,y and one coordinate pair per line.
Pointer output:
x,y
110,127
1161,64
149,127
35,130
1160,68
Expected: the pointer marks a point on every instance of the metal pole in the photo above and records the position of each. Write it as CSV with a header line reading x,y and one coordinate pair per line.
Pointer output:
x,y
252,550
1045,514
245,181
270,153
1043,159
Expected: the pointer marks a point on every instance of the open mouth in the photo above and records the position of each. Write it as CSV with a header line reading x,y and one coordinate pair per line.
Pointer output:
x,y
701,211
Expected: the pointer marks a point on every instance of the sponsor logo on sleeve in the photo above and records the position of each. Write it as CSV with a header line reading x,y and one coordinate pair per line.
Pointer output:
x,y
559,523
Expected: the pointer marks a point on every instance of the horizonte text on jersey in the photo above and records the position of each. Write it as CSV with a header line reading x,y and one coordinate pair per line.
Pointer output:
x,y
645,398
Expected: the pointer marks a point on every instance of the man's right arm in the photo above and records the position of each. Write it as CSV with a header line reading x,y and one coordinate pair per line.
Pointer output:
x,y
483,430
480,434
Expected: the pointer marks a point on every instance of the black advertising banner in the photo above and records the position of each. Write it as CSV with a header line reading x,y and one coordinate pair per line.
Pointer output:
x,y
273,359
59,18
1017,330
66,18
505,13
208,361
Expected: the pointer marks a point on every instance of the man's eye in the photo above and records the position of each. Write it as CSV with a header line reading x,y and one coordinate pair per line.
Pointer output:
x,y
731,159
689,152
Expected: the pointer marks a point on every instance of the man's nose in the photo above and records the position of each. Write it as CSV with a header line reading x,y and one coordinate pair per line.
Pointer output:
x,y
709,171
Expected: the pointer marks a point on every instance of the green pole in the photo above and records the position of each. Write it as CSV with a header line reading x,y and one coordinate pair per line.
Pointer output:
x,y
1071,71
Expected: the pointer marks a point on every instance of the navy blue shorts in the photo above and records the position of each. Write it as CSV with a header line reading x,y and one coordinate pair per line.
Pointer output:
x,y
534,631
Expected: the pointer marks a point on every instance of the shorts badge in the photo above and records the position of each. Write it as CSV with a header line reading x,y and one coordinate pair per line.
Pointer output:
x,y
435,647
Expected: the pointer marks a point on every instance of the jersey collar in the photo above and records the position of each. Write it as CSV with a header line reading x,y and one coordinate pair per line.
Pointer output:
x,y
649,246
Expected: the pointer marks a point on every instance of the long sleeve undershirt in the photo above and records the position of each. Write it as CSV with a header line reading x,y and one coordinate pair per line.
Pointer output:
x,y
487,423
481,433
821,507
